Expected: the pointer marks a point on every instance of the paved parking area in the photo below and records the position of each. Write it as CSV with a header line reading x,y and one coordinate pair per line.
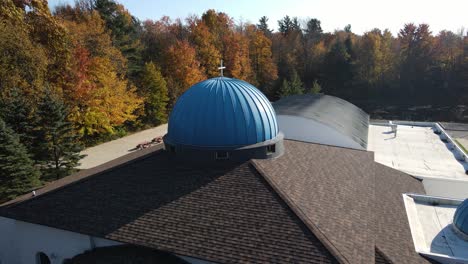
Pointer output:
x,y
108,151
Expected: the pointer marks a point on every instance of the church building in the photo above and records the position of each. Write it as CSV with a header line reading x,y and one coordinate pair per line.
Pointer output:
x,y
237,180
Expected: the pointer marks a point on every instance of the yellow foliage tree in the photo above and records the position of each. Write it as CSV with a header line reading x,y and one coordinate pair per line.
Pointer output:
x,y
264,69
99,96
208,54
237,57
184,69
109,103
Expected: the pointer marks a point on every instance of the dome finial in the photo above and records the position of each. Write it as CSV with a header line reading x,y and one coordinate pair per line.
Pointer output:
x,y
221,68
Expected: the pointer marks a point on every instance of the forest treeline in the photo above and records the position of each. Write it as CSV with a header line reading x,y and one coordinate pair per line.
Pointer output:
x,y
91,71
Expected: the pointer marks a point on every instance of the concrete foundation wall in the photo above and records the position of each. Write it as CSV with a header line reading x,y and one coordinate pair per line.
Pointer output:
x,y
302,129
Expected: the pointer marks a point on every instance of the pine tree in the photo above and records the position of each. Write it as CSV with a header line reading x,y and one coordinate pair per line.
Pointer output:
x,y
17,112
285,89
263,26
316,88
291,87
58,145
296,86
17,172
156,95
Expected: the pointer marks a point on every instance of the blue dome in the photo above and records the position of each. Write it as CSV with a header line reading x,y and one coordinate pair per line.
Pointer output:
x,y
222,112
460,219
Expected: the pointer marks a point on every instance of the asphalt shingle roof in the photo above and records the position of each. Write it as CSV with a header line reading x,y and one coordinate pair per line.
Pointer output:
x,y
392,233
333,189
223,214
314,204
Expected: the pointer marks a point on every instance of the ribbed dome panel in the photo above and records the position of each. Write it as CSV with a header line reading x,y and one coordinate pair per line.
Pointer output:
x,y
222,112
460,219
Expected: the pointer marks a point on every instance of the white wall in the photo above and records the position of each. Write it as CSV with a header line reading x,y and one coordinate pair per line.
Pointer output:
x,y
303,129
21,241
450,188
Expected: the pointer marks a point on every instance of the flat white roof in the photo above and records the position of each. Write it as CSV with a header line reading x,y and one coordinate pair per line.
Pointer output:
x,y
430,219
416,150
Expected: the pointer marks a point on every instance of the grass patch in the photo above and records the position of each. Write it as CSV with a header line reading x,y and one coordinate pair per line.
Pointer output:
x,y
461,146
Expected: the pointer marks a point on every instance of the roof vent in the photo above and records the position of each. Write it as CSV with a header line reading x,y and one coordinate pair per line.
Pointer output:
x,y
460,220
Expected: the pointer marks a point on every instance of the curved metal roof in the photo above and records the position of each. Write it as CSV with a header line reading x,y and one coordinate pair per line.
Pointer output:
x,y
342,116
222,112
460,219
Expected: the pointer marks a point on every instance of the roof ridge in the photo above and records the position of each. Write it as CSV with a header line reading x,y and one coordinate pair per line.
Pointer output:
x,y
298,212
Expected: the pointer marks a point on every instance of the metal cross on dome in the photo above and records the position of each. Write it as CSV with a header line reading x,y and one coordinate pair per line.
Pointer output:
x,y
221,68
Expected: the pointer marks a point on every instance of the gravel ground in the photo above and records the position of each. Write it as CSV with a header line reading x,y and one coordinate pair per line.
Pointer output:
x,y
108,151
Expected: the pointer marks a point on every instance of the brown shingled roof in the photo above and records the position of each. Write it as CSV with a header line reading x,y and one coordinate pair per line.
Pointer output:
x,y
314,204
393,234
223,213
333,189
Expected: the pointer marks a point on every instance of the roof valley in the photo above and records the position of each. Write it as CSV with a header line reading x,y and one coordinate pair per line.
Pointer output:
x,y
296,209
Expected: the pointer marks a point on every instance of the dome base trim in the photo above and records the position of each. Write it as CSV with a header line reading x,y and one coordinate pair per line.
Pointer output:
x,y
264,150
459,233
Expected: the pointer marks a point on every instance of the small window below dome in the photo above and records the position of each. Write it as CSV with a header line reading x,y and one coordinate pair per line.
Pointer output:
x,y
271,149
42,258
221,155
171,149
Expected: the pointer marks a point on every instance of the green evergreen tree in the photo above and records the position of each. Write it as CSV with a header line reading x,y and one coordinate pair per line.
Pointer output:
x,y
58,145
17,112
156,95
316,88
291,87
296,85
285,89
17,172
263,26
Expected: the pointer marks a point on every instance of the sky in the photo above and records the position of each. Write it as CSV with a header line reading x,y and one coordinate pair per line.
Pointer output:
x,y
363,15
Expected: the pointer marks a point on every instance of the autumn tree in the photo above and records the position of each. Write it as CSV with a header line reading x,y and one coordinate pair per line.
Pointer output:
x,y
184,71
448,57
416,59
109,102
125,31
375,63
237,57
23,63
58,145
288,47
314,51
155,92
99,97
18,174
89,31
48,31
261,58
208,54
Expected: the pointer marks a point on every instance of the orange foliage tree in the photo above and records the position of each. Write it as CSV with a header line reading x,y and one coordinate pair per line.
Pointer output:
x,y
263,67
184,69
100,98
